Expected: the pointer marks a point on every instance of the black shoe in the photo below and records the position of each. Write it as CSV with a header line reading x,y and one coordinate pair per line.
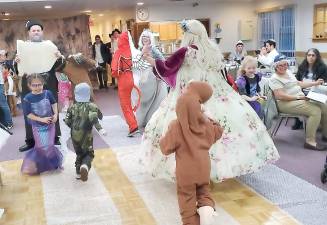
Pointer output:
x,y
298,125
101,86
315,148
25,147
323,176
324,138
133,132
57,141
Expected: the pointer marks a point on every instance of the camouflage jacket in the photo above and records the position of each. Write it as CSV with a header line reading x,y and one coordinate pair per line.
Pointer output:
x,y
81,117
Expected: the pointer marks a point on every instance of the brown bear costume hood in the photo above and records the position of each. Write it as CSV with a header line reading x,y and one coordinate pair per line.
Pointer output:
x,y
188,109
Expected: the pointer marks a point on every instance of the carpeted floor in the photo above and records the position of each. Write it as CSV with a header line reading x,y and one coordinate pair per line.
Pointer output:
x,y
117,130
304,201
288,191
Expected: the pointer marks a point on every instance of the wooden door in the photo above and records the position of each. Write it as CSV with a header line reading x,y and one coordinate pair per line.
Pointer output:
x,y
137,31
206,23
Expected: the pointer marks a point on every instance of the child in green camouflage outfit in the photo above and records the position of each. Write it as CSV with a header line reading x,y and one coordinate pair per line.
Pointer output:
x,y
81,117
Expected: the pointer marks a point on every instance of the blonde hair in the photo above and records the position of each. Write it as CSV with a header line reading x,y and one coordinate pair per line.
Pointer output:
x,y
246,61
208,53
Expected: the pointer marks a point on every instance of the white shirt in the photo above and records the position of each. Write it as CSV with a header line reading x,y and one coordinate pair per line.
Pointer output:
x,y
98,56
114,46
11,84
1,77
268,60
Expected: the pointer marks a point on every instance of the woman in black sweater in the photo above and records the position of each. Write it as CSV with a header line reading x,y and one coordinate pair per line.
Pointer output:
x,y
312,68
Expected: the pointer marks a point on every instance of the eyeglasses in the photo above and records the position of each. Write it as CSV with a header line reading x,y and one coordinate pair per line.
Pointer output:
x,y
283,65
312,55
36,85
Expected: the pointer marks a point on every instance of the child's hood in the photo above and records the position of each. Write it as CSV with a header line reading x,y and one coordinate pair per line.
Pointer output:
x,y
188,108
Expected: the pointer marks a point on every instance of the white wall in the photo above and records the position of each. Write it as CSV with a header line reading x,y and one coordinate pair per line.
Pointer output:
x,y
103,25
227,14
304,11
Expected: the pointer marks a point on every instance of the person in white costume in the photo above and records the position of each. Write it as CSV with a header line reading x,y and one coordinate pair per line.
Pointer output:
x,y
245,145
153,89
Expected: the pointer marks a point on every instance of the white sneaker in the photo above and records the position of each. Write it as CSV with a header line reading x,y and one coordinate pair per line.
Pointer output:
x,y
1,212
78,176
84,171
206,214
103,132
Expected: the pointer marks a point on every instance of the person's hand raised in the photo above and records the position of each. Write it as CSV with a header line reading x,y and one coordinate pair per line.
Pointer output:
x,y
17,59
319,82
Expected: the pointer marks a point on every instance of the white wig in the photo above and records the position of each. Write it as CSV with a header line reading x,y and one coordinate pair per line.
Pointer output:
x,y
208,54
146,33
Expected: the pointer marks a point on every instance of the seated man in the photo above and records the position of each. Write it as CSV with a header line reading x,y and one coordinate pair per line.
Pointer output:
x,y
268,59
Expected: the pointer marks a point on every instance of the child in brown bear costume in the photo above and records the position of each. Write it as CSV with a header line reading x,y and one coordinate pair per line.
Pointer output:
x,y
190,136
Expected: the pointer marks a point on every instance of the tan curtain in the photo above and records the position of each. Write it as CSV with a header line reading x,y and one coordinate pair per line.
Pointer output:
x,y
70,34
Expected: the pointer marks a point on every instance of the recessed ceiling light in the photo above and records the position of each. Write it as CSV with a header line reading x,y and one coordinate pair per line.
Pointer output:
x,y
48,7
100,14
88,11
140,3
7,14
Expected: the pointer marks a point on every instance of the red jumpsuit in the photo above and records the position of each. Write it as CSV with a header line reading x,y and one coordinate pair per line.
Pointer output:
x,y
121,66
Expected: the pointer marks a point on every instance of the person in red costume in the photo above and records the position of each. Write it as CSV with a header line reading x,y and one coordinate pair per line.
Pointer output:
x,y
121,66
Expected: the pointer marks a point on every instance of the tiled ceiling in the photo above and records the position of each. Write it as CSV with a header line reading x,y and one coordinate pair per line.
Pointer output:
x,y
23,9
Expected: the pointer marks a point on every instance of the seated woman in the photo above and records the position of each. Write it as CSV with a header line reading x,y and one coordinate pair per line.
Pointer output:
x,y
312,68
291,100
248,84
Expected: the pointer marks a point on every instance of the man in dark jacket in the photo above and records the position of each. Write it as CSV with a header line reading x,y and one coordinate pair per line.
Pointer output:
x,y
101,56
110,78
35,34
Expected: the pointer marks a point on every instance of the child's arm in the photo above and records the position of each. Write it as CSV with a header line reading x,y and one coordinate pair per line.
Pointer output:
x,y
168,143
55,112
250,99
46,120
216,130
93,116
54,105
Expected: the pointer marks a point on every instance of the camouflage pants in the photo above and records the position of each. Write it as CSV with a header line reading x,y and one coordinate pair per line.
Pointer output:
x,y
84,151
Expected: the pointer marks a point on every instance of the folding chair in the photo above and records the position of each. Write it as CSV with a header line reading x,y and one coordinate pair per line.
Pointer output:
x,y
285,116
